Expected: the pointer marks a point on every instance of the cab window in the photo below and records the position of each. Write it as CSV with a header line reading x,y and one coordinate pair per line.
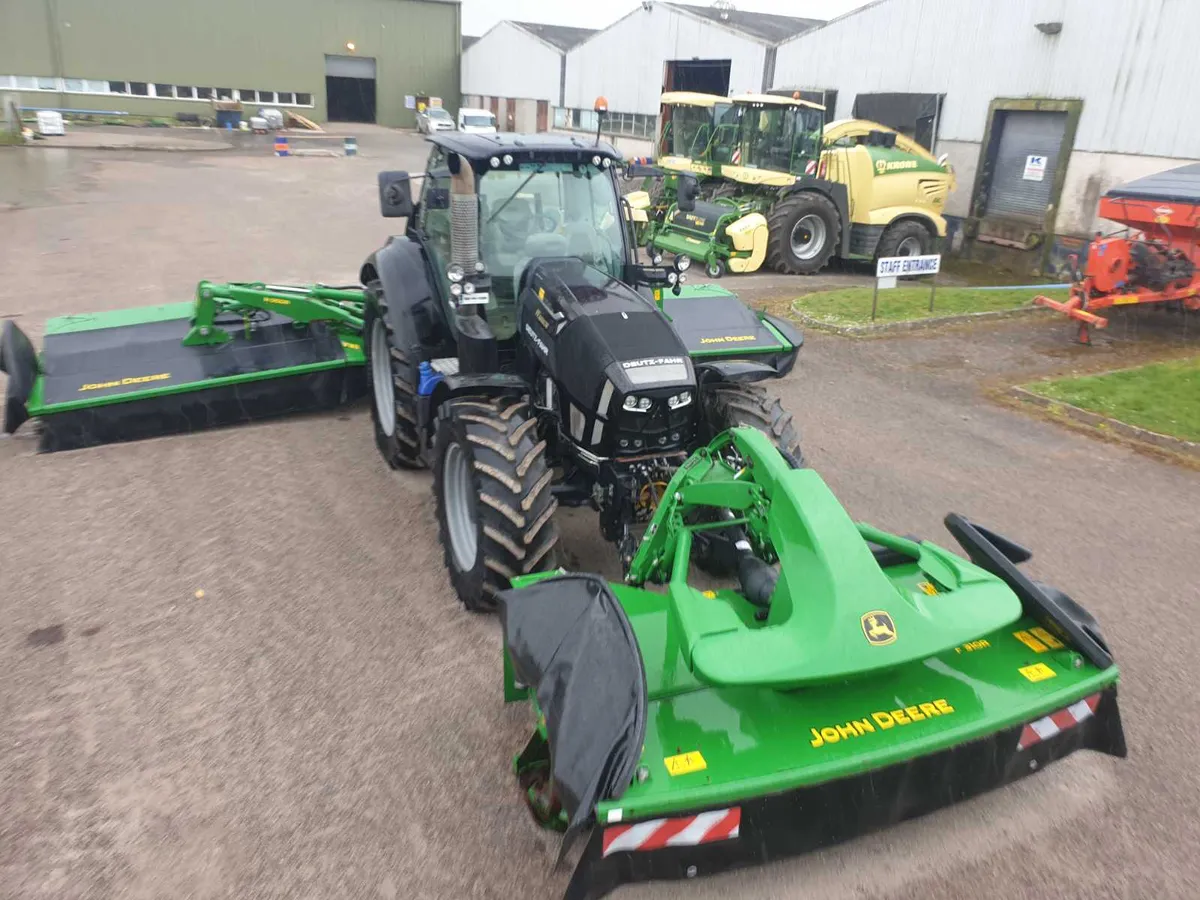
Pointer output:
x,y
433,218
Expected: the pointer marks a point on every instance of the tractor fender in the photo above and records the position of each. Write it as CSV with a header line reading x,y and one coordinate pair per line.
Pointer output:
x,y
450,386
837,193
730,370
399,267
18,360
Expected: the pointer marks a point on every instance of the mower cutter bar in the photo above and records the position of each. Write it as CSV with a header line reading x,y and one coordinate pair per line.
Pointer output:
x,y
775,826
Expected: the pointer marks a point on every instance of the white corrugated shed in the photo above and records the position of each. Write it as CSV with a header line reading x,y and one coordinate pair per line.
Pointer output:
x,y
508,61
1123,58
624,62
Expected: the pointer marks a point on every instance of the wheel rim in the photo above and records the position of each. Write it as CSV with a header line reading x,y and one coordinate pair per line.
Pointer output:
x,y
714,270
458,494
808,237
910,246
381,379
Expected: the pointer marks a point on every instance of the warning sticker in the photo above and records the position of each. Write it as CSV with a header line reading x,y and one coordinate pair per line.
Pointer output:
x,y
1038,672
685,763
1046,638
1030,641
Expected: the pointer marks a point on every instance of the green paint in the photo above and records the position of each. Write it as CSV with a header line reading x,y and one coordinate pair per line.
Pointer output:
x,y
119,318
890,161
1162,397
302,304
807,696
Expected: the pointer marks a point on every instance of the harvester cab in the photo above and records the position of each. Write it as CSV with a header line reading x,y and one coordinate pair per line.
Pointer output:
x,y
844,680
518,347
699,132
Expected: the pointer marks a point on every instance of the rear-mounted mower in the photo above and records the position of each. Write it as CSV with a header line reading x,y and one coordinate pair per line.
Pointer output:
x,y
842,680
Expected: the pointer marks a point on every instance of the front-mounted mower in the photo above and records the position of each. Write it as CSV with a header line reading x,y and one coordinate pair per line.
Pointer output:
x,y
237,353
844,679
518,348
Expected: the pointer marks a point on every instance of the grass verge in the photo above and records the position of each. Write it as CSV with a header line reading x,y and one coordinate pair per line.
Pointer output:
x,y
907,302
1162,397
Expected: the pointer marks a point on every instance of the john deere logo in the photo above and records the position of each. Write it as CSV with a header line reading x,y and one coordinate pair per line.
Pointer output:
x,y
879,628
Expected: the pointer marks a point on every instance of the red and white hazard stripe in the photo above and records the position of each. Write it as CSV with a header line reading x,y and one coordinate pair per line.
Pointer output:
x,y
736,156
1057,722
685,831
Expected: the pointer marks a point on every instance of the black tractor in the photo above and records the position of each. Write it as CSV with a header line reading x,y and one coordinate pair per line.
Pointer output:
x,y
518,347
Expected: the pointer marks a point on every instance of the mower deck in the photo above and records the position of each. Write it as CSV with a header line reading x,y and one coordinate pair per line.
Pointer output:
x,y
126,374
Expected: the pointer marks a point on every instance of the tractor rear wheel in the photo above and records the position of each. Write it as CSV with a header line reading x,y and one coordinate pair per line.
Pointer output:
x,y
804,230
495,510
907,238
393,374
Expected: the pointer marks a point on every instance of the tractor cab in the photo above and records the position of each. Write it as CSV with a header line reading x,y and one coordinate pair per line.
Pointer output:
x,y
699,131
778,136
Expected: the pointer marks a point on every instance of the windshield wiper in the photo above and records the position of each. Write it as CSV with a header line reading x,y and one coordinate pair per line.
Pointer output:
x,y
511,198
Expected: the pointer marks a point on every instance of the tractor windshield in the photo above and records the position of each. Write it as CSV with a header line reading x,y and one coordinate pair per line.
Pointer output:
x,y
782,138
545,210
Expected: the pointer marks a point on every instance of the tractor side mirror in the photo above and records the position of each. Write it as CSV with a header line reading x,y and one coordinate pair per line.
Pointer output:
x,y
395,195
685,195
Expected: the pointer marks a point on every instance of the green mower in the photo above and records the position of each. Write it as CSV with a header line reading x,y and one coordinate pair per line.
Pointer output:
x,y
237,353
844,679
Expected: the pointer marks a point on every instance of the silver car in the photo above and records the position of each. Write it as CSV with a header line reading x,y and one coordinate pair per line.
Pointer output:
x,y
434,118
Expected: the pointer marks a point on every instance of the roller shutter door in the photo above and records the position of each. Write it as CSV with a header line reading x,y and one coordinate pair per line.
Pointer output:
x,y
1025,134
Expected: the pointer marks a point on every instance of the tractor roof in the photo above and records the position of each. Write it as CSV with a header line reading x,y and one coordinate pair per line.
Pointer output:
x,y
481,147
774,100
691,98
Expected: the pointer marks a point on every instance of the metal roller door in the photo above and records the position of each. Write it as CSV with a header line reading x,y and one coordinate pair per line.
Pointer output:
x,y
1025,164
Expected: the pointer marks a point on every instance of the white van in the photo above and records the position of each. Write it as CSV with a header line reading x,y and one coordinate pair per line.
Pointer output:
x,y
477,121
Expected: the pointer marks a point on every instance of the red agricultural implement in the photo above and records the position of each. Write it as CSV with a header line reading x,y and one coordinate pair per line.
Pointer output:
x,y
1160,266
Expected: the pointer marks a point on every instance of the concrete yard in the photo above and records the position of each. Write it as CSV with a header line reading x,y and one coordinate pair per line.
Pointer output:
x,y
231,665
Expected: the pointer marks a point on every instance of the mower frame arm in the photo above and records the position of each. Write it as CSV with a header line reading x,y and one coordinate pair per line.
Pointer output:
x,y
302,304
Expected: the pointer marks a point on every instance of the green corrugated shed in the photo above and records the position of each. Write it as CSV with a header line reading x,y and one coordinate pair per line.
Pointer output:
x,y
264,45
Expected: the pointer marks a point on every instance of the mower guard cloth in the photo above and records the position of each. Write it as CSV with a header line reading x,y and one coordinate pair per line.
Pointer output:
x,y
18,360
778,825
570,640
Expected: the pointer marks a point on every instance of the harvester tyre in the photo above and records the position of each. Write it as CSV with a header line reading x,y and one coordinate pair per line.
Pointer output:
x,y
789,215
397,435
491,485
902,238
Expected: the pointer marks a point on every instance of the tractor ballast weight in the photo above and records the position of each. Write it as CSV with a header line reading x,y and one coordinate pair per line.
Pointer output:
x,y
843,680
237,353
1161,266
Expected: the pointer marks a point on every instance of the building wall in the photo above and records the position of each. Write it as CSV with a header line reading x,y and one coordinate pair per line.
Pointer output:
x,y
276,45
1112,53
624,63
510,62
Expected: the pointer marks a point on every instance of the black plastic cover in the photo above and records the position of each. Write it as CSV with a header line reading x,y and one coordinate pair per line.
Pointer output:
x,y
571,643
1181,185
18,360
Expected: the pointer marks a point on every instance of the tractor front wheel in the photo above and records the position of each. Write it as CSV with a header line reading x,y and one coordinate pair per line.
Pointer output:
x,y
495,509
804,230
393,373
732,404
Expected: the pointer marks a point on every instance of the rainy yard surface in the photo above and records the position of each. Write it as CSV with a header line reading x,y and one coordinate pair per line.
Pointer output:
x,y
232,666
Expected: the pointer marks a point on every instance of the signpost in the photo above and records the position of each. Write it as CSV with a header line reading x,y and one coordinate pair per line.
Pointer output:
x,y
889,268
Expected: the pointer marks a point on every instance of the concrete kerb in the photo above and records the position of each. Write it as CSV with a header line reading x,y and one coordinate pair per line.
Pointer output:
x,y
884,328
1109,426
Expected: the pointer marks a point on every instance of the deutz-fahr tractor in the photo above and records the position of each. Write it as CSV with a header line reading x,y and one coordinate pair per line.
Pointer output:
x,y
518,347
792,192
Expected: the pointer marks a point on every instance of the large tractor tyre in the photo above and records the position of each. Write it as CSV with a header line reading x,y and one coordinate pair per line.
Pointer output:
x,y
393,375
495,509
907,238
804,232
728,406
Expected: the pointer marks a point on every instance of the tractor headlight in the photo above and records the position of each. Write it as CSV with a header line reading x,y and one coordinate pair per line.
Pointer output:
x,y
607,162
495,161
508,159
637,404
680,400
682,263
468,288
656,258
479,266
455,272
672,278
596,161
456,290
643,404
